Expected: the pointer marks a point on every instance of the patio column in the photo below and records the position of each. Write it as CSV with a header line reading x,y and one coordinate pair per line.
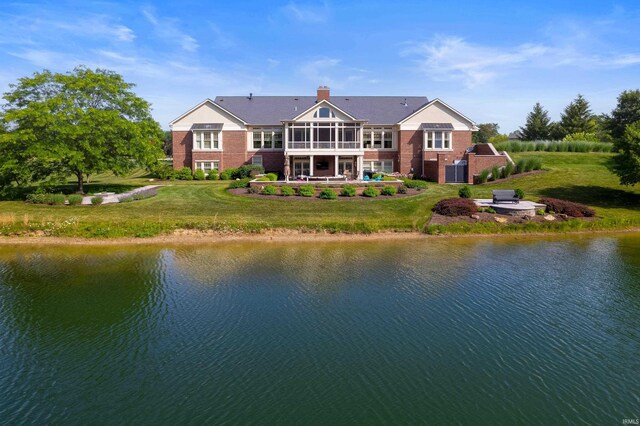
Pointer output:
x,y
311,165
335,170
360,166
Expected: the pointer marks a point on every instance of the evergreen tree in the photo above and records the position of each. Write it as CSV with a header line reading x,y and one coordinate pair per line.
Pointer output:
x,y
485,132
626,112
627,161
577,118
538,126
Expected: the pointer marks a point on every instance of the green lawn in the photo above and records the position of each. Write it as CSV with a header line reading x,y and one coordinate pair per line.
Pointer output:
x,y
207,205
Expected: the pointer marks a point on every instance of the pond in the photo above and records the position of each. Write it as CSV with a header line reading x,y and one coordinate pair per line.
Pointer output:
x,y
509,330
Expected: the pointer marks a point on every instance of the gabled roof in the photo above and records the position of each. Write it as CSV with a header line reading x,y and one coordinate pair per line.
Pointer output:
x,y
202,103
436,100
327,104
272,110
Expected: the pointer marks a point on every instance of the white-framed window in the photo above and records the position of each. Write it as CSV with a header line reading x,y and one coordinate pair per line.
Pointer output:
x,y
385,166
324,112
378,138
205,140
301,167
256,160
437,140
266,138
207,166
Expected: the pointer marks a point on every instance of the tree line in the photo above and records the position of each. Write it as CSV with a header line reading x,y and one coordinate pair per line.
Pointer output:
x,y
578,123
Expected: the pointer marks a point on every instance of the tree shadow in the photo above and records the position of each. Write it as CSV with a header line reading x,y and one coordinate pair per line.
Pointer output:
x,y
595,196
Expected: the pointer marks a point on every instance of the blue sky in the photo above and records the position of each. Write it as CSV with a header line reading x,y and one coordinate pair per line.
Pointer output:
x,y
492,62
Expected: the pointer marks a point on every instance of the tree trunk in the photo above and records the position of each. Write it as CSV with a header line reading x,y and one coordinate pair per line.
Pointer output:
x,y
80,183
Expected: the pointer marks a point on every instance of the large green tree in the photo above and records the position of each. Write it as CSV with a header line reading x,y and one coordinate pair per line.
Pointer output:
x,y
78,123
577,118
626,112
485,132
627,160
538,125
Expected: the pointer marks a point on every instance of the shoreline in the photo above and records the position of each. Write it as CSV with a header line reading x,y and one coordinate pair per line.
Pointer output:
x,y
282,236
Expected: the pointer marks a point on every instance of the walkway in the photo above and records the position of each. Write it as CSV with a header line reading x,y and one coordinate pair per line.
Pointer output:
x,y
112,197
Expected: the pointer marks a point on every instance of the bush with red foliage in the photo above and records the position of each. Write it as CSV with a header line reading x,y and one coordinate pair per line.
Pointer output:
x,y
456,207
567,207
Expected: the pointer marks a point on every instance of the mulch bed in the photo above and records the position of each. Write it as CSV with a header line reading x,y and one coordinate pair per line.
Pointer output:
x,y
437,219
243,192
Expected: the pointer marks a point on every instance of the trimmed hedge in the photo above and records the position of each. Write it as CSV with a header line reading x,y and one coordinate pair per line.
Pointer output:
x,y
569,208
456,207
199,175
388,190
75,199
240,183
287,191
306,191
328,194
272,176
269,190
370,191
97,200
464,192
416,184
348,191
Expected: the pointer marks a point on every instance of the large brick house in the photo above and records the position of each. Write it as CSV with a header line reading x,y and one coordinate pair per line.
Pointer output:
x,y
326,135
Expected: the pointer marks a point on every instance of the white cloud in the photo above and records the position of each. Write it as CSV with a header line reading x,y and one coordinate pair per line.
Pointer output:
x,y
453,58
306,13
169,30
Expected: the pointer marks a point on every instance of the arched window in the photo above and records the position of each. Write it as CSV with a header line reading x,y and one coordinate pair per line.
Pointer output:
x,y
324,112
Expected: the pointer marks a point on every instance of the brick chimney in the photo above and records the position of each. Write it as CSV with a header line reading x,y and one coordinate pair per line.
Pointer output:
x,y
323,93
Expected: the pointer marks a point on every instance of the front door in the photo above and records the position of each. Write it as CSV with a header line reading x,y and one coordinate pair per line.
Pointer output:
x,y
301,167
345,166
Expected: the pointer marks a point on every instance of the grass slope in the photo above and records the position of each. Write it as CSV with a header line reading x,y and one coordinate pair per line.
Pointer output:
x,y
204,205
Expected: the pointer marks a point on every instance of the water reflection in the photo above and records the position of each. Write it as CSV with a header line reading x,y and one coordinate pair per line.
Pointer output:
x,y
473,330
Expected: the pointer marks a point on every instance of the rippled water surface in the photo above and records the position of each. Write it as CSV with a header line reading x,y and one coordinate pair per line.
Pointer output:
x,y
463,331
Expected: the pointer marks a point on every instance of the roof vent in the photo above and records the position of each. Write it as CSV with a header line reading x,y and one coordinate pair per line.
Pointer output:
x,y
405,102
250,96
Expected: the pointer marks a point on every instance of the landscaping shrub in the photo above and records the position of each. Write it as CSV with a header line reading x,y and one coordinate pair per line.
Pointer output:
x,y
348,191
495,173
456,207
520,165
38,198
229,174
464,192
272,176
402,189
199,175
507,170
213,175
388,178
75,199
97,200
567,207
58,199
306,190
247,170
263,179
163,171
287,191
417,184
370,191
253,189
240,183
184,174
269,190
328,194
388,190
577,142
377,175
519,193
490,210
483,177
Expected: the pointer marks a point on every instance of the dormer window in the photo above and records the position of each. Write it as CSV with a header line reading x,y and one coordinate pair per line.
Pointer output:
x,y
324,112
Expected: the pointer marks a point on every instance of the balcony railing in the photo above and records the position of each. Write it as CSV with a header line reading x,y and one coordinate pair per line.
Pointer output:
x,y
324,145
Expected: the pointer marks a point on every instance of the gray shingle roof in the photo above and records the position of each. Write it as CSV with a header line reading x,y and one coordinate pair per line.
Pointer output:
x,y
272,110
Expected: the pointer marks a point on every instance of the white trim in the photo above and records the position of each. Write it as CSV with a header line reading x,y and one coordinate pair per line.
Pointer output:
x,y
471,122
212,149
383,130
318,105
425,140
201,165
201,104
265,130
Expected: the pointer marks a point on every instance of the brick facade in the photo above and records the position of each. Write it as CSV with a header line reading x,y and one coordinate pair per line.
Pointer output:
x,y
409,152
